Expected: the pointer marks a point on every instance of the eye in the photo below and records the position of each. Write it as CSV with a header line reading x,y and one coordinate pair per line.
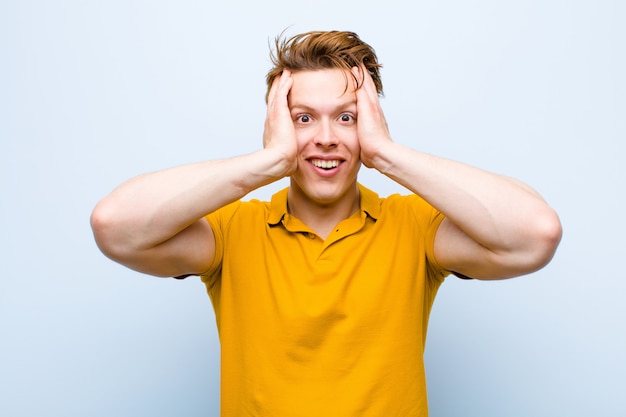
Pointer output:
x,y
346,117
303,118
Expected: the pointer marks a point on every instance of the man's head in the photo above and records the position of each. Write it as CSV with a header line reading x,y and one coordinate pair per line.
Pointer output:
x,y
323,50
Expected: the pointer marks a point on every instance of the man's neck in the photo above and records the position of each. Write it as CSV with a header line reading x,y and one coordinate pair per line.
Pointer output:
x,y
322,218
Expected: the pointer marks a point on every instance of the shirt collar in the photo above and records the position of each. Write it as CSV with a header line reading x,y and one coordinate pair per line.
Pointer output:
x,y
370,204
278,207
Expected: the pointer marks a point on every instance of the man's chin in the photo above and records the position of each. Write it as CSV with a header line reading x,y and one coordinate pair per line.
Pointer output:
x,y
324,194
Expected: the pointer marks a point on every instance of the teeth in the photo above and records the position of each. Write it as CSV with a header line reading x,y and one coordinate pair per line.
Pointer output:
x,y
321,163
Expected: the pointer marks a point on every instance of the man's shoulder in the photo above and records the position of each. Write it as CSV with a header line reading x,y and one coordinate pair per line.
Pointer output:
x,y
246,210
403,210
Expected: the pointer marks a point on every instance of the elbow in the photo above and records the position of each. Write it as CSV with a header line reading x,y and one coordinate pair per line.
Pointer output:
x,y
547,236
107,231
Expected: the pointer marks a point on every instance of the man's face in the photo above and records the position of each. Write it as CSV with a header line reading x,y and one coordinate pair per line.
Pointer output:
x,y
324,116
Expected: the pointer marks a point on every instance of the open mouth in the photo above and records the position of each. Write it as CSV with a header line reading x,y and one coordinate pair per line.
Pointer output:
x,y
325,164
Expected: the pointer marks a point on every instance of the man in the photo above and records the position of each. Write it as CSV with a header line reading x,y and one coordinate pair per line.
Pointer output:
x,y
322,294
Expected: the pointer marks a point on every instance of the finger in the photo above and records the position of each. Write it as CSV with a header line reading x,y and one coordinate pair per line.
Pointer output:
x,y
371,115
367,95
284,84
280,86
277,106
279,102
368,83
272,93
358,77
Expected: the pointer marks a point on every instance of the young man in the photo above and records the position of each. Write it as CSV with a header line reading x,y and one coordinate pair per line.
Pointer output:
x,y
322,294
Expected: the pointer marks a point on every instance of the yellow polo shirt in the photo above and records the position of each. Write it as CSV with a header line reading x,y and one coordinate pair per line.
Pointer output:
x,y
321,328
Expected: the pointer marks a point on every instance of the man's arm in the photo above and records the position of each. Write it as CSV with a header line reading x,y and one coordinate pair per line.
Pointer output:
x,y
155,223
495,227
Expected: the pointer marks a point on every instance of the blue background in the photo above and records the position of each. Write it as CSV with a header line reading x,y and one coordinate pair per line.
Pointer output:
x,y
95,92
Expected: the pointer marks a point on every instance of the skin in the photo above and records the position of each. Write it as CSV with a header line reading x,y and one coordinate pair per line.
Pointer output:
x,y
495,227
324,187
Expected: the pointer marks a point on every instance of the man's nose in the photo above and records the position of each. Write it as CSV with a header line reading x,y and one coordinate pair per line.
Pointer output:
x,y
326,136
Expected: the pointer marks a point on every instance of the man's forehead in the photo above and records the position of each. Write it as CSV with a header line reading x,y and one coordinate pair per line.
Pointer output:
x,y
327,77
310,87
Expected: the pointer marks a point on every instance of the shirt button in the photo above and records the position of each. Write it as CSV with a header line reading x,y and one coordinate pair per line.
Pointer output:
x,y
311,235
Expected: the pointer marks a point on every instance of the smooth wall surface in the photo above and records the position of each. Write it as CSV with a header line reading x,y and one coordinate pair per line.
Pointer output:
x,y
93,93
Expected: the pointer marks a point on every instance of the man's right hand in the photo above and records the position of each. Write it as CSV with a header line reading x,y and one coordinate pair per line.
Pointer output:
x,y
279,134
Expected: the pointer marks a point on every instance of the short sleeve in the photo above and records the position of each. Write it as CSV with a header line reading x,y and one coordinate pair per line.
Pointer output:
x,y
218,220
429,219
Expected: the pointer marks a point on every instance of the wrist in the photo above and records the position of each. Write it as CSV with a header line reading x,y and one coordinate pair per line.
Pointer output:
x,y
380,156
274,164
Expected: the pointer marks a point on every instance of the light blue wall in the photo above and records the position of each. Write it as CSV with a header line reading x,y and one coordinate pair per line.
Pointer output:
x,y
92,93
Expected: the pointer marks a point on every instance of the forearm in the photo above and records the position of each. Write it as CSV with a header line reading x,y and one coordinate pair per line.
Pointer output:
x,y
151,208
499,213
